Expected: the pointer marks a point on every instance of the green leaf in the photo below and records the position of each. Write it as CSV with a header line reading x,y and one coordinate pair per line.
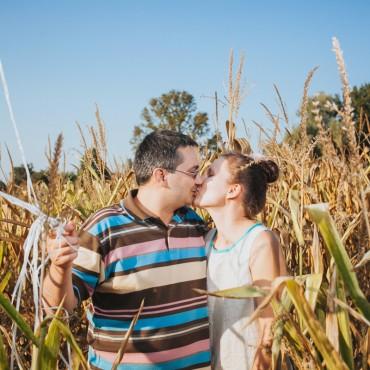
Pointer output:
x,y
313,284
18,319
323,345
3,357
320,215
345,337
5,281
2,247
278,331
245,291
67,334
49,344
298,343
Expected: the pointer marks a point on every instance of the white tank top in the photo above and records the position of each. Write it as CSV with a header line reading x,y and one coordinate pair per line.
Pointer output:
x,y
233,344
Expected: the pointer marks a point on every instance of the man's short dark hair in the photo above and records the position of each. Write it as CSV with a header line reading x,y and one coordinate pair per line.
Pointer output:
x,y
159,150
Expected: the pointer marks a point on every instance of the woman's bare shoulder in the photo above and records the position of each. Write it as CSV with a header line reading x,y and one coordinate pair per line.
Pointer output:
x,y
266,252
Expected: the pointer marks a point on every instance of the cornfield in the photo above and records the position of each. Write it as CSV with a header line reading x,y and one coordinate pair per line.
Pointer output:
x,y
319,208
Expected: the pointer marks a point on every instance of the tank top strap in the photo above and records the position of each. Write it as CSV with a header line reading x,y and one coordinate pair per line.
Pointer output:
x,y
245,242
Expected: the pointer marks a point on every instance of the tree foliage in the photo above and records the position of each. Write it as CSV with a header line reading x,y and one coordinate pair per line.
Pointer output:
x,y
329,107
20,176
361,103
175,110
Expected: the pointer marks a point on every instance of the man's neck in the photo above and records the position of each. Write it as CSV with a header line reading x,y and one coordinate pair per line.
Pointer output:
x,y
152,203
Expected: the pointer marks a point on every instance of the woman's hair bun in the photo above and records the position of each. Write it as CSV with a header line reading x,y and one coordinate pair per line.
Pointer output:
x,y
270,169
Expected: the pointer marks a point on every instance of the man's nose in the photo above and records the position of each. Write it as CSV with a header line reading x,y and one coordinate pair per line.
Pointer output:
x,y
199,179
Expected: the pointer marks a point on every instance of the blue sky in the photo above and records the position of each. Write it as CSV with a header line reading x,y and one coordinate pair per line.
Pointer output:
x,y
63,57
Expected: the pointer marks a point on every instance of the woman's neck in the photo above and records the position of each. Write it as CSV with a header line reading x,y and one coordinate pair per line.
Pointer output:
x,y
230,224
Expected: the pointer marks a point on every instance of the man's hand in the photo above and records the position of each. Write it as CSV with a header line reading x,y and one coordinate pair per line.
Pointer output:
x,y
58,281
63,251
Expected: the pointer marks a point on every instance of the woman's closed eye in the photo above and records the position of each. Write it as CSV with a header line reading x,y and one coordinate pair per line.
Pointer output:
x,y
210,172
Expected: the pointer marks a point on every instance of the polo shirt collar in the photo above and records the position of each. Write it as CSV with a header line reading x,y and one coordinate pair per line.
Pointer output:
x,y
138,213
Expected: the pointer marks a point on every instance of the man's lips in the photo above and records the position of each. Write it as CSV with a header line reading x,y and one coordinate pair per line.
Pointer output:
x,y
195,191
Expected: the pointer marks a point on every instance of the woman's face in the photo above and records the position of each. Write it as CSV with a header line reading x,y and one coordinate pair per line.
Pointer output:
x,y
215,185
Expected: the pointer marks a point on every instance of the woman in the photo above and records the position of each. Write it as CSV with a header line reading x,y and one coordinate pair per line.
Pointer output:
x,y
240,251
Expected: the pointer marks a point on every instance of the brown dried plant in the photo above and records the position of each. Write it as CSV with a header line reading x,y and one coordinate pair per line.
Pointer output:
x,y
313,179
234,99
53,176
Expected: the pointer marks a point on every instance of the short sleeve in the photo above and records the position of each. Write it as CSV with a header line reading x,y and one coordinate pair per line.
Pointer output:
x,y
88,267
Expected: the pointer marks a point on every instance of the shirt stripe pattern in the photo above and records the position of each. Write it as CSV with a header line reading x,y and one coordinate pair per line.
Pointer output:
x,y
125,257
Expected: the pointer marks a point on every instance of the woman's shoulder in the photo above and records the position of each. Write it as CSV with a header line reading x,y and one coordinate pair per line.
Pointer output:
x,y
265,233
264,236
265,245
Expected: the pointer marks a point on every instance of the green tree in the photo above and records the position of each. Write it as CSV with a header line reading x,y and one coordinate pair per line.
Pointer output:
x,y
319,103
20,175
331,120
175,110
361,104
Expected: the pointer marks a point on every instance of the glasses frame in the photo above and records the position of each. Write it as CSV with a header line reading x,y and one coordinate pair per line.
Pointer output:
x,y
193,175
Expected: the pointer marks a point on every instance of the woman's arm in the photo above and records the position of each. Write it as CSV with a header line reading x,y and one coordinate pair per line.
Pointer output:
x,y
266,263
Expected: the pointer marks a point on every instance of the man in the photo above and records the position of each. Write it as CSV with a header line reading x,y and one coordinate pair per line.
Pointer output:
x,y
151,247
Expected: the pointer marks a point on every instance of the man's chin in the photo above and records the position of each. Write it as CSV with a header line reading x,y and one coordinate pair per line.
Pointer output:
x,y
189,202
196,202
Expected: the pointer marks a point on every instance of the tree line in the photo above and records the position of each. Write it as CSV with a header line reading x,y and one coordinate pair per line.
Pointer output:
x,y
177,110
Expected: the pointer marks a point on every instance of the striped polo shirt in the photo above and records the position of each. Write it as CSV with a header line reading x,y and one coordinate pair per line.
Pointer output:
x,y
125,256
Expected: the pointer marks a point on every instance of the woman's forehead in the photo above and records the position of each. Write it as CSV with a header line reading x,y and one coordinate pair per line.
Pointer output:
x,y
218,163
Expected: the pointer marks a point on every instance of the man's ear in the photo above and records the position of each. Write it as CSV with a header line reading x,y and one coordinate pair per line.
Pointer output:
x,y
159,175
234,191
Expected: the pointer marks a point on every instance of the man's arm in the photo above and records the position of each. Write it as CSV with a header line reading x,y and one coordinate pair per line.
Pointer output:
x,y
58,281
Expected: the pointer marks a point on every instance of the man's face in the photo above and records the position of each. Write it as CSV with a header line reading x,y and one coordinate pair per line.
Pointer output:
x,y
182,181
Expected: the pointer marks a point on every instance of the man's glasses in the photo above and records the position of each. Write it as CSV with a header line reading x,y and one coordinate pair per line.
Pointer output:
x,y
193,174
